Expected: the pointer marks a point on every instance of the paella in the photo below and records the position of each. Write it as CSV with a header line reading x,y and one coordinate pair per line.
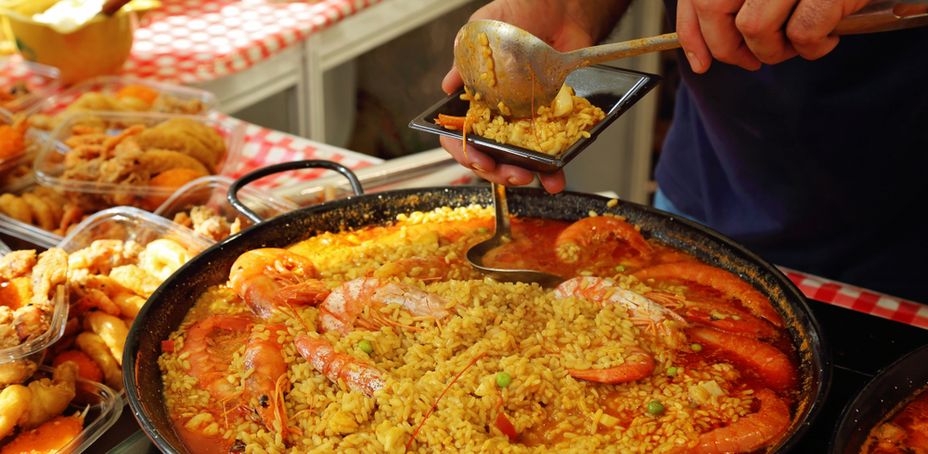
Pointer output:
x,y
384,339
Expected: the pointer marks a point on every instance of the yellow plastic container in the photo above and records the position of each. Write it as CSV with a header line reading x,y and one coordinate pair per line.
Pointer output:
x,y
100,47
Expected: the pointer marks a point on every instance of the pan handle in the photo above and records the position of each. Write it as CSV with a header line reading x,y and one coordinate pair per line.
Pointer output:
x,y
238,184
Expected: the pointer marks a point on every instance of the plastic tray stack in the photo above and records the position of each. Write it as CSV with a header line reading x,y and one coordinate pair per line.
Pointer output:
x,y
123,223
46,163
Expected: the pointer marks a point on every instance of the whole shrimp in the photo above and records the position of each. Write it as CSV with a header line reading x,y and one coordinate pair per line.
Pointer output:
x,y
270,278
343,308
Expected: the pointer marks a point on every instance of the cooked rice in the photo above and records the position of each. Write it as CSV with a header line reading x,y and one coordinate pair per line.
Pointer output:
x,y
545,132
518,328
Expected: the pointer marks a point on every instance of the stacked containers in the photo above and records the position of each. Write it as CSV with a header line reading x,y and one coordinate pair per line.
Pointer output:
x,y
99,404
102,405
48,158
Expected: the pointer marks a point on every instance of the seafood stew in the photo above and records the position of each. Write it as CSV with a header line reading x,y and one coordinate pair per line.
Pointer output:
x,y
905,431
880,417
810,368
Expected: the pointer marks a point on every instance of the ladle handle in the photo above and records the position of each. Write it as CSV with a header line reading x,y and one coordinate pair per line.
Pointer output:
x,y
631,48
877,16
501,208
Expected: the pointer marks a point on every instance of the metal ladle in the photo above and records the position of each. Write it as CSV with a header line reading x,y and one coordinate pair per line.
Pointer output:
x,y
501,236
508,65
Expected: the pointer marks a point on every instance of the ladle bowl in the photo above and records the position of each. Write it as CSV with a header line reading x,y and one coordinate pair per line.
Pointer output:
x,y
501,236
515,72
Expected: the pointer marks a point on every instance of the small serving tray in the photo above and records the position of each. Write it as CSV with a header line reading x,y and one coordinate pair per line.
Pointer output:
x,y
611,89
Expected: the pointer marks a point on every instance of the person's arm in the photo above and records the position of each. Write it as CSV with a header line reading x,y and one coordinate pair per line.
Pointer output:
x,y
748,33
565,25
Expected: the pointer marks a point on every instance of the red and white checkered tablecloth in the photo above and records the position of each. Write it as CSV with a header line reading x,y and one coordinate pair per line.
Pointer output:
x,y
264,146
191,41
859,299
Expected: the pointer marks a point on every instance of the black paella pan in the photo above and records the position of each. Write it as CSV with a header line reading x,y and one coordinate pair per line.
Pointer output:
x,y
167,307
891,388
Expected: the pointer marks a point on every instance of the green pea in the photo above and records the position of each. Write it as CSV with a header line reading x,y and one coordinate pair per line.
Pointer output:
x,y
696,347
482,230
672,371
619,269
366,346
503,379
655,407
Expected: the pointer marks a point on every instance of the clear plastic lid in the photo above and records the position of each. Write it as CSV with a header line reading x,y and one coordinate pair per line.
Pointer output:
x,y
130,224
33,350
102,405
50,163
24,84
210,192
174,99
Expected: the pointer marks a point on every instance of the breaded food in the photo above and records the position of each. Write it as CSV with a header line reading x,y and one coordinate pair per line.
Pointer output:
x,y
188,136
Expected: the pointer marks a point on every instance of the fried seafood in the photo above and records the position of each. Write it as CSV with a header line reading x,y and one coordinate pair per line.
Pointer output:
x,y
28,288
131,98
28,406
13,139
163,157
188,136
43,207
207,222
110,280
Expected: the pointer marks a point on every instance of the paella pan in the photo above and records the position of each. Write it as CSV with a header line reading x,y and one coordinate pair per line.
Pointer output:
x,y
663,336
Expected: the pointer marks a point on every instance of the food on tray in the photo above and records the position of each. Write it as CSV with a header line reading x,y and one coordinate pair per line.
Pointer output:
x,y
14,92
28,287
110,280
551,131
43,207
32,416
207,222
904,431
13,139
385,339
130,98
163,157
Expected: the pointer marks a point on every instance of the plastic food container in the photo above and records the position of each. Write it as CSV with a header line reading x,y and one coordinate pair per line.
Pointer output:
x,y
16,169
211,192
23,84
32,234
103,408
49,163
130,224
33,350
111,85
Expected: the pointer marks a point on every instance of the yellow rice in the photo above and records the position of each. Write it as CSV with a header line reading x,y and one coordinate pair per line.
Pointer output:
x,y
545,132
517,328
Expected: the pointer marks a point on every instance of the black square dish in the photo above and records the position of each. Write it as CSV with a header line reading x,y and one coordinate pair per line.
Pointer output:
x,y
611,89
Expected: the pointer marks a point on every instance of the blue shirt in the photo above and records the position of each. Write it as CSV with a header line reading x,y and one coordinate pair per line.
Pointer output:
x,y
817,165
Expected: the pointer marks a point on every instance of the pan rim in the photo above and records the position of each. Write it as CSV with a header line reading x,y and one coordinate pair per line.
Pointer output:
x,y
819,371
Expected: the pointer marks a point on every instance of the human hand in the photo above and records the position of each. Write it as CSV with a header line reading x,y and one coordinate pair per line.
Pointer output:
x,y
747,33
563,25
